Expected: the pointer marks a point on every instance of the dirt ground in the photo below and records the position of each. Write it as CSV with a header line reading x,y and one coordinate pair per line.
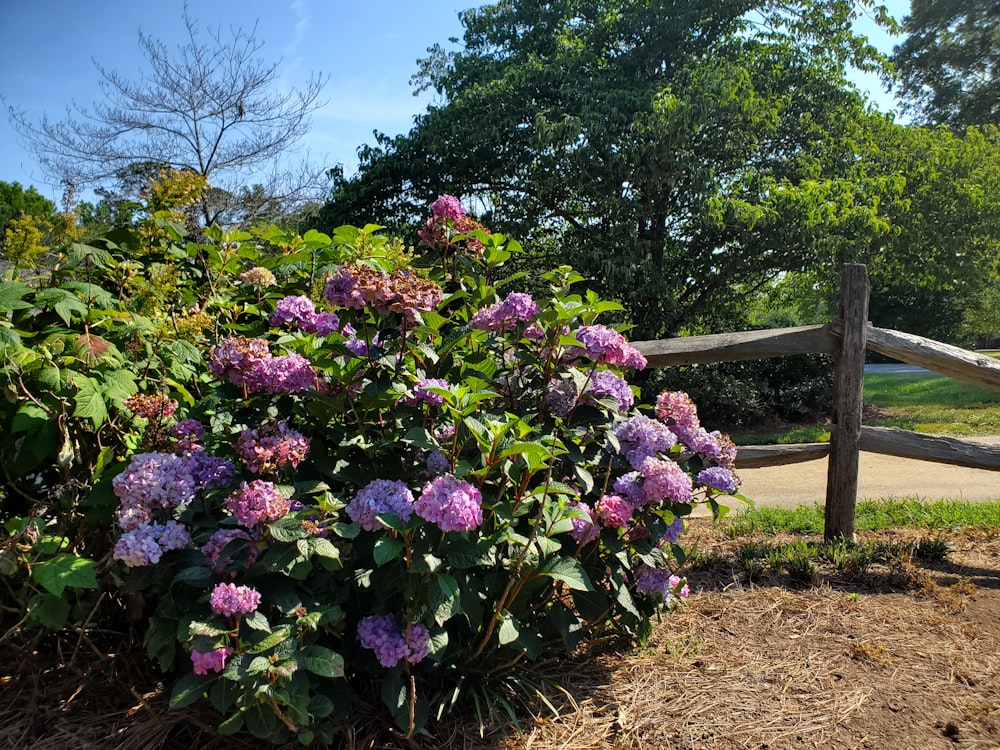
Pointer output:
x,y
878,477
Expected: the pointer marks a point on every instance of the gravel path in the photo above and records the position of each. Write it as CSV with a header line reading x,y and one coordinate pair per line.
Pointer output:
x,y
878,477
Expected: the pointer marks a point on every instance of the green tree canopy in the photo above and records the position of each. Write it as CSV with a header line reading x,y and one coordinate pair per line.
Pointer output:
x,y
679,155
949,64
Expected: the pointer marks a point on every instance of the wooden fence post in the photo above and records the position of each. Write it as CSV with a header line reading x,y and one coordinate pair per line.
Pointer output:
x,y
845,442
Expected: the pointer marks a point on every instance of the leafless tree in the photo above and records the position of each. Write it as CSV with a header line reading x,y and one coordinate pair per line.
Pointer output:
x,y
211,106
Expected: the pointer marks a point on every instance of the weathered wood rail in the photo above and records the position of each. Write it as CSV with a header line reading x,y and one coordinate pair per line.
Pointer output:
x,y
846,338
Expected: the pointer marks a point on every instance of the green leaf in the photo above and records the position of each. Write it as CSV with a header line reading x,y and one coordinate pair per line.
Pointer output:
x,y
445,601
266,644
321,661
386,548
189,689
287,529
9,339
324,548
567,570
421,438
65,570
118,386
49,610
257,621
10,296
509,630
232,724
89,402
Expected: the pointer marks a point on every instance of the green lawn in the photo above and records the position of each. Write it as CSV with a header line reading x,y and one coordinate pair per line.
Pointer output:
x,y
921,402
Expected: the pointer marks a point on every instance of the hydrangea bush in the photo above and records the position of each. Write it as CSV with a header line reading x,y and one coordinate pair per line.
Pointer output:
x,y
407,475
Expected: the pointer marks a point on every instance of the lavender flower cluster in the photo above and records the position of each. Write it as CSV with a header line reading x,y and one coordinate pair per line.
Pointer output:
x,y
518,307
300,312
603,344
423,394
383,635
215,548
380,496
257,502
145,545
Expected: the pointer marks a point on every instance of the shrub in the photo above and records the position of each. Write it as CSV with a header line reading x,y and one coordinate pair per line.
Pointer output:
x,y
386,473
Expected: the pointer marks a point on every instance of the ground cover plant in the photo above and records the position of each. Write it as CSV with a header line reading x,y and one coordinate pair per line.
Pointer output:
x,y
367,474
930,403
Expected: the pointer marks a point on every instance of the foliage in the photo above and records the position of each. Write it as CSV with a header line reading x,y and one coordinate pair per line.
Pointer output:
x,y
447,471
655,146
949,62
210,107
934,404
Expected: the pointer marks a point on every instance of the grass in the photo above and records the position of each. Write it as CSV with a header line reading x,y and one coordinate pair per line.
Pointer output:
x,y
870,516
921,402
930,403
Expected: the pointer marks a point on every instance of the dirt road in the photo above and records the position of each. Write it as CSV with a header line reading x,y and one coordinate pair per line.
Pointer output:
x,y
878,477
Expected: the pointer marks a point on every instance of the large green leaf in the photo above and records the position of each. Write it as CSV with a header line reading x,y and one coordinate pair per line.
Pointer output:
x,y
89,401
322,661
567,570
65,570
11,293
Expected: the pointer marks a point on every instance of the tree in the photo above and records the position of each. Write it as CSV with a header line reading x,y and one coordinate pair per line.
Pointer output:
x,y
949,63
16,202
208,107
670,151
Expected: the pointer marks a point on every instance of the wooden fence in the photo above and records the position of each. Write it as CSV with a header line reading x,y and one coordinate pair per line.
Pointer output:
x,y
846,339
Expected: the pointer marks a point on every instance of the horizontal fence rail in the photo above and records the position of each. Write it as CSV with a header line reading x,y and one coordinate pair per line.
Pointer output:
x,y
843,448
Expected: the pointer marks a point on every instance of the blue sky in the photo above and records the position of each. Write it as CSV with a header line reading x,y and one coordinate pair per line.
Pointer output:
x,y
368,49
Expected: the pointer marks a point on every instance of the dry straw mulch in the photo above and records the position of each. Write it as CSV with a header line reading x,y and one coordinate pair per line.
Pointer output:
x,y
903,658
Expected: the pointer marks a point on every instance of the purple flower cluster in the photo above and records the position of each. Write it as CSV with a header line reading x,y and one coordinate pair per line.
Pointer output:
x,y
422,394
518,307
452,504
674,530
210,661
152,481
382,634
228,599
604,344
662,583
630,485
271,447
300,312
380,496
584,530
719,479
188,432
249,363
215,547
561,397
614,511
606,383
437,463
256,503
641,437
663,479
146,544
210,472
258,276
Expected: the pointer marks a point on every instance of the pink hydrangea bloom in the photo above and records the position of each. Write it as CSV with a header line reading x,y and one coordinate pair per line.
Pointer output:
x,y
664,479
614,511
447,207
228,599
677,409
452,504
210,661
256,503
272,447
604,344
377,497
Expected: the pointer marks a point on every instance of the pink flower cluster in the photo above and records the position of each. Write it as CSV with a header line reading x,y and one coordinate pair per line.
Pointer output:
x,y
377,497
228,599
603,344
447,207
153,406
680,414
357,286
256,503
448,219
614,511
518,307
382,634
271,447
452,504
664,479
210,661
